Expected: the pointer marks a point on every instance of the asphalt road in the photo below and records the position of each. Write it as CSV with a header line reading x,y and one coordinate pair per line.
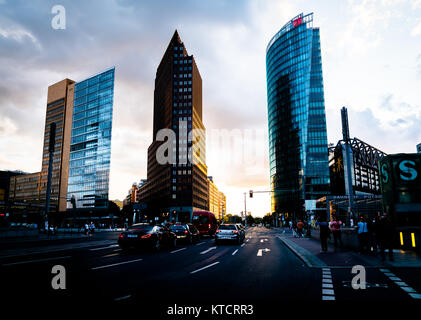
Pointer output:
x,y
261,272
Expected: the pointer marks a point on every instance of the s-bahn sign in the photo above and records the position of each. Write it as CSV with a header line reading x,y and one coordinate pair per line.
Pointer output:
x,y
400,180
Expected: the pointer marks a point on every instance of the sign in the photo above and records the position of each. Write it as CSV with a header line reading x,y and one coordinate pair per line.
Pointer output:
x,y
297,21
310,205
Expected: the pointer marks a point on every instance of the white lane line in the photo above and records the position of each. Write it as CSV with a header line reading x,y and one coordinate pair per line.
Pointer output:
x,y
37,260
103,248
236,250
200,243
328,292
208,250
178,250
327,286
115,264
327,280
243,245
328,298
123,298
208,266
409,290
247,240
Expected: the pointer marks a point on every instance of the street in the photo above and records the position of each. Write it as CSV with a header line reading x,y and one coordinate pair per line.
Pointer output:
x,y
261,270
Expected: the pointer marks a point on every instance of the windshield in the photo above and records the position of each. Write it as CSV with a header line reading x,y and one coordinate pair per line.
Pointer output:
x,y
144,228
227,227
201,219
177,227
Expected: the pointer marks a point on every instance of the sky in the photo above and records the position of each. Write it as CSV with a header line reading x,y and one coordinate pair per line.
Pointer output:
x,y
371,56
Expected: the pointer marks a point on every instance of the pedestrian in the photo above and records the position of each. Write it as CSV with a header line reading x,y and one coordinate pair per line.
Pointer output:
x,y
324,233
86,229
386,234
300,226
92,228
335,227
362,234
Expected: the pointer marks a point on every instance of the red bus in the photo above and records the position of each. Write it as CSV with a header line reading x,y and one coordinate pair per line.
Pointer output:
x,y
205,222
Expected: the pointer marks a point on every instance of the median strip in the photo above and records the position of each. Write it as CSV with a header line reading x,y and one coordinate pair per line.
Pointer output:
x,y
208,266
115,264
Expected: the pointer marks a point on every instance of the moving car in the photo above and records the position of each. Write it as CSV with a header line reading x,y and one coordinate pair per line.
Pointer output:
x,y
186,232
229,232
147,235
205,222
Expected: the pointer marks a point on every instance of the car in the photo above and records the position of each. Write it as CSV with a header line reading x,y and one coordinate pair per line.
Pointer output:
x,y
205,222
186,232
147,235
229,232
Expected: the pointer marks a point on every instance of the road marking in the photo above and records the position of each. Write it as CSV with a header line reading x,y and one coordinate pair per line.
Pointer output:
x,y
103,248
243,245
115,264
123,298
178,250
110,255
236,250
32,261
208,250
328,293
208,266
200,243
263,240
260,251
409,290
247,240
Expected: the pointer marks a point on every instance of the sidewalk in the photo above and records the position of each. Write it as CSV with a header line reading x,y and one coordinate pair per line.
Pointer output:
x,y
308,250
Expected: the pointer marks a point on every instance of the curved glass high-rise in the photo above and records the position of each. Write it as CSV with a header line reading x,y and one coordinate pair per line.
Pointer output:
x,y
298,153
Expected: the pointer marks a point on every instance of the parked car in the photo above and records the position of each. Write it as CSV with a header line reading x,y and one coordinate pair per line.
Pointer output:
x,y
186,232
229,232
147,235
205,222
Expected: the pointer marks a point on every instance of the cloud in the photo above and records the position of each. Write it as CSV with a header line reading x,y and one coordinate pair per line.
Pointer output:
x,y
417,30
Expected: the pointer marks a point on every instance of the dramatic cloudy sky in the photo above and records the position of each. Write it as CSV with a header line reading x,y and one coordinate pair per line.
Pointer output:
x,y
371,52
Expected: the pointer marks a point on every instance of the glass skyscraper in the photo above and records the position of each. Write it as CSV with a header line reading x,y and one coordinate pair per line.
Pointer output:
x,y
90,146
298,151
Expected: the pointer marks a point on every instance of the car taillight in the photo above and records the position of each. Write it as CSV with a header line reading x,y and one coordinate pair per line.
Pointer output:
x,y
235,231
209,225
185,231
121,236
146,236
218,231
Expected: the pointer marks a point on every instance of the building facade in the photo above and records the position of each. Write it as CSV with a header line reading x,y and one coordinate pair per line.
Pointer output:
x,y
179,186
364,161
419,148
217,200
90,144
298,151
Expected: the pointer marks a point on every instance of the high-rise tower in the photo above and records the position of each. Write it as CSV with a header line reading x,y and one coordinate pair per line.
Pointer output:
x,y
178,187
298,151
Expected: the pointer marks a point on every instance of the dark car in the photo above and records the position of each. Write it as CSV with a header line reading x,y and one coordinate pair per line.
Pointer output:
x,y
146,235
186,232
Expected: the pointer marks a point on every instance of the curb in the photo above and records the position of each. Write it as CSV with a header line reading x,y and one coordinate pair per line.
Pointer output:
x,y
308,258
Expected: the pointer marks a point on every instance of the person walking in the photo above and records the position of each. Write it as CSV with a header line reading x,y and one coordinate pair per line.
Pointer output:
x,y
335,226
324,233
386,234
362,234
300,226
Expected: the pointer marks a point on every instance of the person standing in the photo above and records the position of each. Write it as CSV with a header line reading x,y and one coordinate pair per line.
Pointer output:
x,y
324,233
335,226
300,226
386,235
362,234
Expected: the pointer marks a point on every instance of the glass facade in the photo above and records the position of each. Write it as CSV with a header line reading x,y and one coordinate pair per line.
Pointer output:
x,y
298,151
90,148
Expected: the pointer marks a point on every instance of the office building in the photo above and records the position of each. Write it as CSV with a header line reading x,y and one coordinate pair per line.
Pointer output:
x,y
364,160
298,151
90,145
179,186
216,199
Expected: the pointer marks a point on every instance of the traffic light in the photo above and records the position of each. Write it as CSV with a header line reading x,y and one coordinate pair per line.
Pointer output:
x,y
251,193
